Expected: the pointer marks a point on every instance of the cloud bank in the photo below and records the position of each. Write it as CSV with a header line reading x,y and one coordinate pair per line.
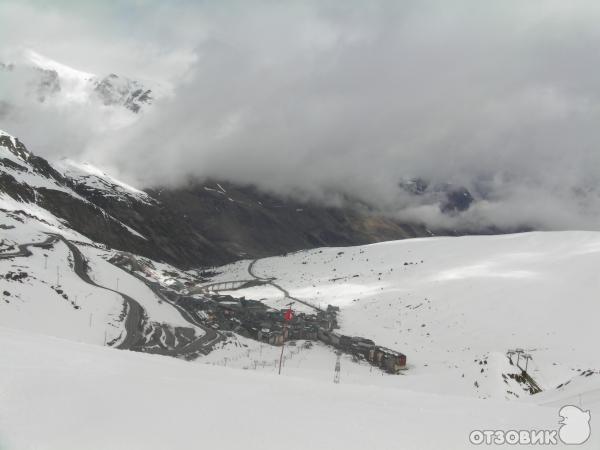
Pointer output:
x,y
336,98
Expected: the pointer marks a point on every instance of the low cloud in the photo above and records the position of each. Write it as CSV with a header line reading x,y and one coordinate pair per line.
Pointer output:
x,y
328,100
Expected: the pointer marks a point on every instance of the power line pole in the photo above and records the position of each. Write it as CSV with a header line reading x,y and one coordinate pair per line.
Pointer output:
x,y
287,318
336,376
282,346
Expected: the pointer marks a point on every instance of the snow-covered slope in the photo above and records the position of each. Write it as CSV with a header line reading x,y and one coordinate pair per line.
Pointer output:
x,y
17,162
92,179
62,395
455,306
30,183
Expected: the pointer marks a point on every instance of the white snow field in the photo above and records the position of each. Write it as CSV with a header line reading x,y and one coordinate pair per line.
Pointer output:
x,y
455,306
51,299
57,394
41,293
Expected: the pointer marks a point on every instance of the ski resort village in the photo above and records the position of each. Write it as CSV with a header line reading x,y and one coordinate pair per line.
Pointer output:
x,y
314,225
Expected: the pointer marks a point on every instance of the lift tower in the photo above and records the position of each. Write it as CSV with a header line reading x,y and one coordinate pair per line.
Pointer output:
x,y
336,376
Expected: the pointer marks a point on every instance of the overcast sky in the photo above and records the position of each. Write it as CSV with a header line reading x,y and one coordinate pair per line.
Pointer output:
x,y
330,98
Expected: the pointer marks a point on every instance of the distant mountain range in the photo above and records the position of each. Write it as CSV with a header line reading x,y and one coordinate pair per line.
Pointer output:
x,y
204,224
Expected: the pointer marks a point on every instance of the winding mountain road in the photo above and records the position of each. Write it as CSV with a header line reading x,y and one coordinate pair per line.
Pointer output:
x,y
270,281
135,314
203,344
136,321
234,285
24,248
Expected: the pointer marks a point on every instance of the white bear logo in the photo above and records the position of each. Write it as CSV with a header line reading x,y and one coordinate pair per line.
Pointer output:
x,y
575,425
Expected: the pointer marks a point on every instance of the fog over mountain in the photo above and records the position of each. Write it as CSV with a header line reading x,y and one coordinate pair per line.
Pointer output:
x,y
332,99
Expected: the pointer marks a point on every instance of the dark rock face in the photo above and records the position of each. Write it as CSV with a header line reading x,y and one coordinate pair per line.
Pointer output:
x,y
457,200
245,222
202,225
167,236
17,148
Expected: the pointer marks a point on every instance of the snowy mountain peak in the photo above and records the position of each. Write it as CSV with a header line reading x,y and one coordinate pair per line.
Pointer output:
x,y
65,175
10,147
113,89
90,178
50,80
5,134
31,188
